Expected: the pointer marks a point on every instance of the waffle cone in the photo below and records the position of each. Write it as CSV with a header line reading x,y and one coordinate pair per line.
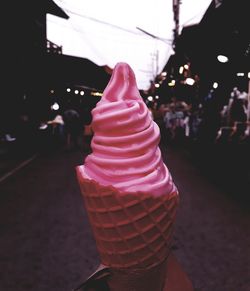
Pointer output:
x,y
132,230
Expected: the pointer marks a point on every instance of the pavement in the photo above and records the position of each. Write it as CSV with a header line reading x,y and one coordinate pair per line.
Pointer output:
x,y
212,236
46,242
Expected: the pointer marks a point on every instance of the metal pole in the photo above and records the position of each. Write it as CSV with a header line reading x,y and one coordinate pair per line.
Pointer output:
x,y
176,11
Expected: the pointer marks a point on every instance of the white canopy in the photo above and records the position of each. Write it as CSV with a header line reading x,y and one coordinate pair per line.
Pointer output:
x,y
137,32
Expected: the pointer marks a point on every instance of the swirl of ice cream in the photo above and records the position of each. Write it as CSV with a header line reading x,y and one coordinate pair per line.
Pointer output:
x,y
125,152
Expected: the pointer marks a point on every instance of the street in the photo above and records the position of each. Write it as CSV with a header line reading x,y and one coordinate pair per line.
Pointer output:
x,y
46,242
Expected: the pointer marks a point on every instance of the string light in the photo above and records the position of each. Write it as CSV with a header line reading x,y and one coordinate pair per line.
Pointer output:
x,y
215,85
171,83
190,81
55,106
96,94
222,58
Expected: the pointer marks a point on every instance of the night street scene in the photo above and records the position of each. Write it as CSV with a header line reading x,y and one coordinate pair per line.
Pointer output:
x,y
124,146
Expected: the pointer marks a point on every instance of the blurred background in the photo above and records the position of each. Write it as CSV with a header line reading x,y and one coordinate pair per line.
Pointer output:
x,y
193,72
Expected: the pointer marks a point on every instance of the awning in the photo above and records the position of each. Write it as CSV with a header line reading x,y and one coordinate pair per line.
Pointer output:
x,y
137,32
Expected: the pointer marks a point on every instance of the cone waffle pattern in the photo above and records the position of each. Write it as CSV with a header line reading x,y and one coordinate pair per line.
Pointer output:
x,y
131,229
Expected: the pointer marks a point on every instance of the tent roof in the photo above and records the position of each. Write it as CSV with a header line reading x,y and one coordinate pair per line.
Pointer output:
x,y
137,32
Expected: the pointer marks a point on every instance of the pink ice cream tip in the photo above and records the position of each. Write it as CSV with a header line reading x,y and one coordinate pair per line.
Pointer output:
x,y
125,146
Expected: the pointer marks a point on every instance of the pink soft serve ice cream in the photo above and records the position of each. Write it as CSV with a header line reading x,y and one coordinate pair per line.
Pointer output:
x,y
125,152
128,191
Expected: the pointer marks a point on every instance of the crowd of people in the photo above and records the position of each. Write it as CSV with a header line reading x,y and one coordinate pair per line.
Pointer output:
x,y
235,118
69,129
215,136
209,121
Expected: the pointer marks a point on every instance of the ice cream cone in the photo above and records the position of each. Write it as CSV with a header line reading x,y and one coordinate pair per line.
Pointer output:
x,y
133,233
129,194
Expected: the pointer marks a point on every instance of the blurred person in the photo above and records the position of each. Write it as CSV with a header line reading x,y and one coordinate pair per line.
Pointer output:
x,y
57,128
237,111
244,97
227,110
233,118
179,122
73,128
155,112
238,117
235,93
239,132
186,123
195,118
169,120
175,121
224,115
162,110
